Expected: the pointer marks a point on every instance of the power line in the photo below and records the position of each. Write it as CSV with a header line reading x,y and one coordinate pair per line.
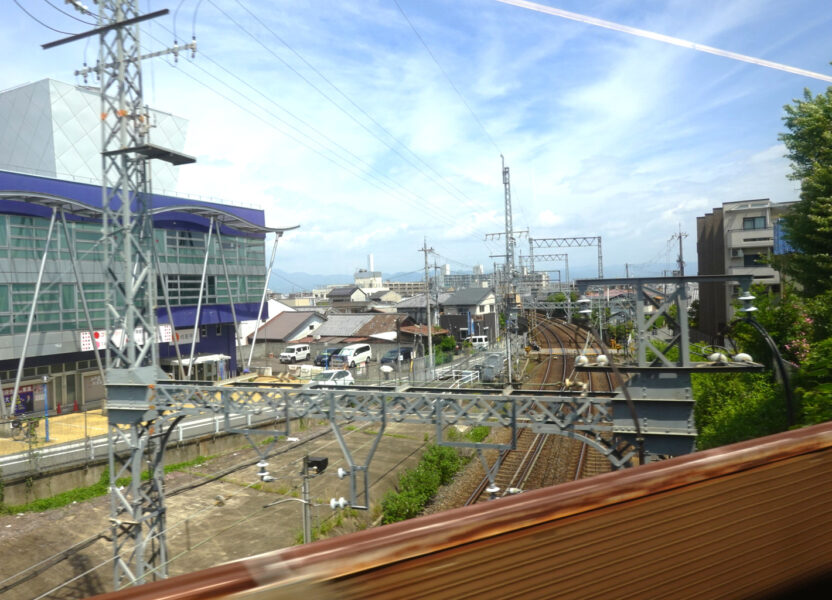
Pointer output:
x,y
436,177
70,15
34,18
458,93
389,187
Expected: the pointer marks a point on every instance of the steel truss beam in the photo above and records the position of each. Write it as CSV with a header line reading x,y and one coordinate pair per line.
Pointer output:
x,y
664,403
570,242
586,418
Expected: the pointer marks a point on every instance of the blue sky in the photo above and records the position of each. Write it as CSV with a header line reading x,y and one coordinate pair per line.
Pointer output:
x,y
606,134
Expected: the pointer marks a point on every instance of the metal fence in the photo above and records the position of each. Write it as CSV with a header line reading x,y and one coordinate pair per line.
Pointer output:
x,y
38,459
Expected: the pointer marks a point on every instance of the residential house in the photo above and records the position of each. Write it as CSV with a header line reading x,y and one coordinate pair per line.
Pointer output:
x,y
472,311
289,327
349,298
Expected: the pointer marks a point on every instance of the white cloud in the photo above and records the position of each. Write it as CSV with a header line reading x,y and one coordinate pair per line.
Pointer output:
x,y
605,134
548,218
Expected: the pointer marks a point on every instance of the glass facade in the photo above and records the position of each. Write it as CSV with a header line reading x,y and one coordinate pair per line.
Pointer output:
x,y
59,306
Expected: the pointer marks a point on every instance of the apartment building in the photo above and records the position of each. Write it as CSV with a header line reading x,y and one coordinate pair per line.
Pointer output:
x,y
735,239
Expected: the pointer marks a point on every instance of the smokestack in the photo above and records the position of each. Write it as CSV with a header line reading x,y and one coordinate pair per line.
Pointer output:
x,y
370,263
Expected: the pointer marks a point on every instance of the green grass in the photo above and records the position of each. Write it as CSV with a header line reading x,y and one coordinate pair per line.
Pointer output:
x,y
100,488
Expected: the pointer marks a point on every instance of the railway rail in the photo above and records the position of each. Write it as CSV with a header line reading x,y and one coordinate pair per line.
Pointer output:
x,y
515,466
749,520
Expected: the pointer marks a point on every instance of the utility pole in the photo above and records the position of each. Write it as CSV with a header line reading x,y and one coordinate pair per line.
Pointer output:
x,y
307,512
427,251
681,260
510,272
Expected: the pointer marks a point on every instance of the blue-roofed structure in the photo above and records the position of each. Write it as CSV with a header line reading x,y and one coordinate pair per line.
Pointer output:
x,y
61,344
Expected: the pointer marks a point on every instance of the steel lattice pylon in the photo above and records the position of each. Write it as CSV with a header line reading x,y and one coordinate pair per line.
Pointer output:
x,y
137,509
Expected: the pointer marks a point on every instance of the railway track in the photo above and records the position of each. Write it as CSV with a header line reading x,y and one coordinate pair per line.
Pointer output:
x,y
557,372
573,341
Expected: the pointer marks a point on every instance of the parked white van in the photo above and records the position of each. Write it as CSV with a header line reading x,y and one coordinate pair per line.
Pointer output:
x,y
479,341
352,355
294,353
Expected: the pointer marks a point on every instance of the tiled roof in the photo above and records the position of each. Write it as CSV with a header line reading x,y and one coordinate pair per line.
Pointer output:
x,y
468,297
381,323
343,291
342,325
422,330
418,301
284,324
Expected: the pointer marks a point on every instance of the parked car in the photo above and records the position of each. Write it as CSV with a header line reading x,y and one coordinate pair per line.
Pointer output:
x,y
334,377
352,355
295,353
392,356
479,341
323,357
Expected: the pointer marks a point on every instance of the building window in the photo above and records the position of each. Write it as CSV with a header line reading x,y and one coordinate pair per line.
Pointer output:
x,y
751,260
187,239
219,330
67,297
753,223
203,331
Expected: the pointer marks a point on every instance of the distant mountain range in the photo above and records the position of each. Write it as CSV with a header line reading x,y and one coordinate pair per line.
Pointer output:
x,y
285,283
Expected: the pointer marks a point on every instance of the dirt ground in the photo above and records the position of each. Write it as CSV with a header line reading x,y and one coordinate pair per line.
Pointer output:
x,y
217,522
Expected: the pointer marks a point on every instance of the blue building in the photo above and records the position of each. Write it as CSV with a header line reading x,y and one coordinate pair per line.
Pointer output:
x,y
49,157
60,344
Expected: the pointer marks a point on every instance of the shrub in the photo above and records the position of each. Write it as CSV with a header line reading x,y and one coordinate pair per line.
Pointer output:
x,y
419,485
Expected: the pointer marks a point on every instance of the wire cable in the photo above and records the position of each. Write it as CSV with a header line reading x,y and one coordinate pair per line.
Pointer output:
x,y
76,578
416,200
193,22
70,15
34,18
436,177
450,82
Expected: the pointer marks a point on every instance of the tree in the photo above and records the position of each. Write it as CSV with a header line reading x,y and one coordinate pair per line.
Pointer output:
x,y
808,224
731,407
813,384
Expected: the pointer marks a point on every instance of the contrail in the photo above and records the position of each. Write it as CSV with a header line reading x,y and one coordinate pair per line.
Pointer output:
x,y
663,38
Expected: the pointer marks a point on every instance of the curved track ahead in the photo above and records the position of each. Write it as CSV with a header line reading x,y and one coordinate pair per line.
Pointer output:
x,y
535,460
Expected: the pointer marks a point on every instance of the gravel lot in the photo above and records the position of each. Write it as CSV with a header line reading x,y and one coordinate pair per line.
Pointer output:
x,y
214,523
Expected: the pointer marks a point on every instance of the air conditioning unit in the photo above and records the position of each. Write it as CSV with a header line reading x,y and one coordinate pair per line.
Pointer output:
x,y
736,252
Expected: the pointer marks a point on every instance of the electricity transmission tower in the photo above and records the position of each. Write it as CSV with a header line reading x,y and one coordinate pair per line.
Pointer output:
x,y
509,288
137,516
